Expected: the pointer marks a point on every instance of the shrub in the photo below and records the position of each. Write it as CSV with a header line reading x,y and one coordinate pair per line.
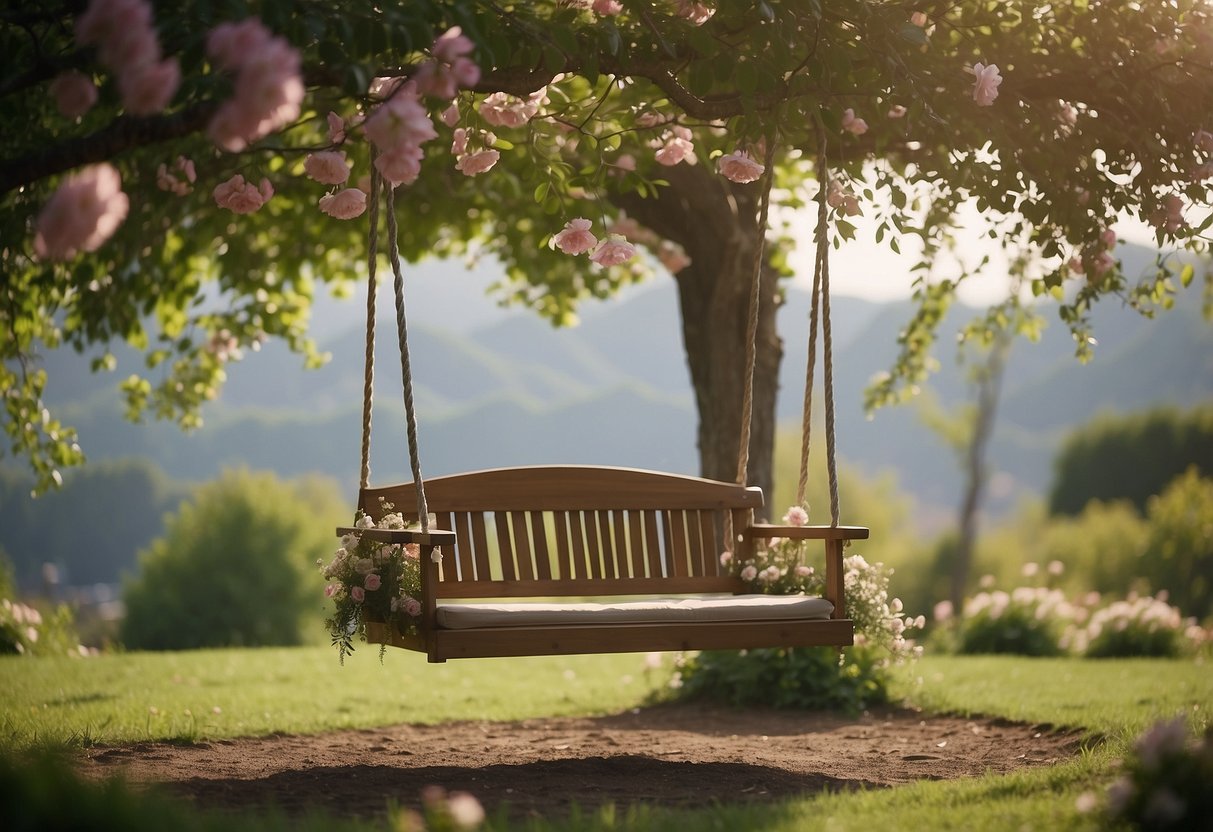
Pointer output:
x,y
25,630
233,566
1142,626
1179,555
812,677
1029,621
1165,785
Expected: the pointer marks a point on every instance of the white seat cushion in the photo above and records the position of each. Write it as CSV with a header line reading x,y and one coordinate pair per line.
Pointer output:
x,y
653,611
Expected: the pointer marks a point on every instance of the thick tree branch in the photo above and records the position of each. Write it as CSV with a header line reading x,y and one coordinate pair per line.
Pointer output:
x,y
123,134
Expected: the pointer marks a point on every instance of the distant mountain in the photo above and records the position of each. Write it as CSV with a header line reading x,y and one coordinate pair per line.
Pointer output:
x,y
501,387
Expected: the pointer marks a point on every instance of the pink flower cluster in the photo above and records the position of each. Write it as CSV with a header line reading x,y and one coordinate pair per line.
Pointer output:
x,y
1170,215
167,180
853,125
985,83
242,197
268,83
504,110
74,93
739,167
82,214
450,69
576,238
473,162
400,125
127,45
345,204
606,8
327,167
675,146
842,199
1098,258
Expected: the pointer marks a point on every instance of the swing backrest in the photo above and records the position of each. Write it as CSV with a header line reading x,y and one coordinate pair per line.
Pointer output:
x,y
566,530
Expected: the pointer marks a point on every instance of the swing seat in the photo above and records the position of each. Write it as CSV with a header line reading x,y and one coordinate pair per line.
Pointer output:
x,y
549,560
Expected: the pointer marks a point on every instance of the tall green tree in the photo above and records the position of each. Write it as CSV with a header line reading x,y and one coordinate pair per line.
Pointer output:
x,y
235,567
1101,112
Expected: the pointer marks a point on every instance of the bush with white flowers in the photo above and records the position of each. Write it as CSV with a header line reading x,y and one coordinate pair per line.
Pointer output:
x,y
809,677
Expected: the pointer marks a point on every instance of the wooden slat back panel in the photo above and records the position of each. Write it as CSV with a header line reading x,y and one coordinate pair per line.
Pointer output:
x,y
575,530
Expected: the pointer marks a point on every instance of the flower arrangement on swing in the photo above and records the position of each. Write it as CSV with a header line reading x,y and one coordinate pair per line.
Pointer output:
x,y
373,581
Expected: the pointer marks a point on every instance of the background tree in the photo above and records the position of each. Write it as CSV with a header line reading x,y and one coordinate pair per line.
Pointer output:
x,y
235,566
1131,457
1101,113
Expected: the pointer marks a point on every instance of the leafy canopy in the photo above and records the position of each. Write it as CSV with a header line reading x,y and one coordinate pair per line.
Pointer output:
x,y
1100,114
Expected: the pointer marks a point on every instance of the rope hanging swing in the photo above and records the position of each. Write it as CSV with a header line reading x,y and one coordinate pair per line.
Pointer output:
x,y
538,532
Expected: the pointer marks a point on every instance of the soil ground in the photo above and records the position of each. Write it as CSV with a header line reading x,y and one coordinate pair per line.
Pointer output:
x,y
671,755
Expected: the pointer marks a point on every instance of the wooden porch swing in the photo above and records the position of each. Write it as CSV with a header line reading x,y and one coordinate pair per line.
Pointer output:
x,y
644,545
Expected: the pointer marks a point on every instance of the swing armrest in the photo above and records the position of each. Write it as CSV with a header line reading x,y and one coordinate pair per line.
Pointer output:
x,y
434,537
764,531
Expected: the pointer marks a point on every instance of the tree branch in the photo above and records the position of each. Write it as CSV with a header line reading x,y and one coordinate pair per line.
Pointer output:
x,y
123,134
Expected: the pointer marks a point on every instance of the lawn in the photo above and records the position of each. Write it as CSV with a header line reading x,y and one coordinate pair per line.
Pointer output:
x,y
227,693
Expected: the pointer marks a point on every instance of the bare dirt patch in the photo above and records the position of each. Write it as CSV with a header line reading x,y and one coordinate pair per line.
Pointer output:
x,y
676,755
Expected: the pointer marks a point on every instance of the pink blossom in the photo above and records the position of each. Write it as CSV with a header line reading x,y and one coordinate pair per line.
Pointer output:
x,y
358,594
673,256
451,44
330,590
919,19
477,162
575,237
242,197
1075,264
697,13
897,111
450,116
626,161
628,227
650,119
344,205
268,85
127,48
1108,238
372,582
676,148
400,165
985,83
74,93
1068,114
399,121
843,200
503,110
336,128
1169,215
465,810
749,573
102,17
739,167
231,45
168,181
726,557
607,7
82,214
412,607
459,144
851,124
327,166
612,251
1103,263
796,516
148,90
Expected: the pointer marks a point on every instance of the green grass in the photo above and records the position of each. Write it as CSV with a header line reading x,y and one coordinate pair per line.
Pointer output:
x,y
213,694
111,699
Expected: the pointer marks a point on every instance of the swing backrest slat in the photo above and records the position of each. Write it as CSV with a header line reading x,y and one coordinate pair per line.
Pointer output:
x,y
568,530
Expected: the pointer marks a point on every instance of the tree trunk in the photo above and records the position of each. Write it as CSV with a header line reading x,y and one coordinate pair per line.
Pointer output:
x,y
716,221
989,387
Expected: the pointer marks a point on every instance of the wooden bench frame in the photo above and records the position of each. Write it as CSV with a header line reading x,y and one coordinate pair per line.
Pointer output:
x,y
617,532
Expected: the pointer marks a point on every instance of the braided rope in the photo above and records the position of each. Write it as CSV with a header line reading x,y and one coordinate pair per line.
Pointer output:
x,y
751,347
821,294
406,372
368,381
